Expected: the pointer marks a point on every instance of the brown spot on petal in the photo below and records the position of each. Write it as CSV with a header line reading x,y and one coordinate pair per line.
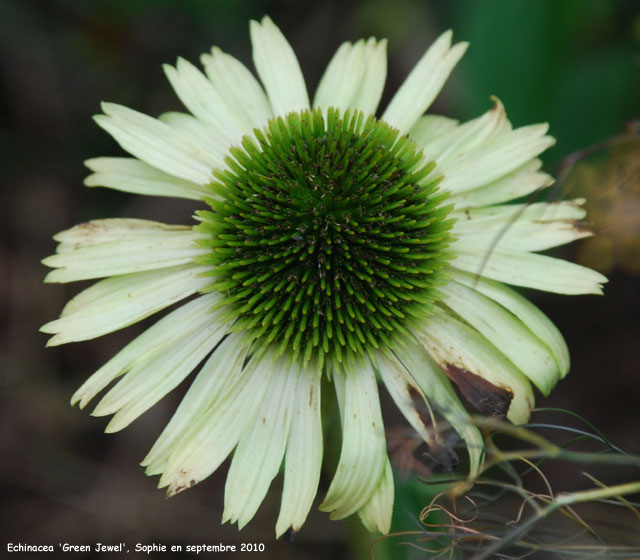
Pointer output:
x,y
89,227
581,226
486,397
420,406
578,225
182,486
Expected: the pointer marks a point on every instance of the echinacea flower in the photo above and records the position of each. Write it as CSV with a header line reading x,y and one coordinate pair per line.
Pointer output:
x,y
337,245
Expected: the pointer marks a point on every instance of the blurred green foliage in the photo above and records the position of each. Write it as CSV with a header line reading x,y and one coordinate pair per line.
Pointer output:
x,y
573,63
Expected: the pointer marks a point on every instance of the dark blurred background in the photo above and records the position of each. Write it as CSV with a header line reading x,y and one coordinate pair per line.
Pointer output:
x,y
573,63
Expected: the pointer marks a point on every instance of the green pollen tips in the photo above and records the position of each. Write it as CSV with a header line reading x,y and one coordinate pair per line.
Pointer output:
x,y
327,237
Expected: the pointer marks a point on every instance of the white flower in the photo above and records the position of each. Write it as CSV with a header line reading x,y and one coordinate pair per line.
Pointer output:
x,y
334,248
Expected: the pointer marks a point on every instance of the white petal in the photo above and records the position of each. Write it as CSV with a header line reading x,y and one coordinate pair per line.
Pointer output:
x,y
155,143
435,384
303,460
423,83
505,332
103,248
203,100
109,230
214,434
522,308
354,77
220,372
278,68
135,176
257,458
376,513
375,74
342,78
406,393
531,212
148,382
237,86
144,347
494,158
363,452
214,146
458,141
528,269
490,381
430,128
495,217
521,227
120,301
521,182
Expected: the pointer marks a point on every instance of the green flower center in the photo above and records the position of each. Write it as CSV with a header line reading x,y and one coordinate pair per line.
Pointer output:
x,y
327,237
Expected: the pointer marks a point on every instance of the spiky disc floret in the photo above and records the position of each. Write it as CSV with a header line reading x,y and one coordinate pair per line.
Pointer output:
x,y
326,236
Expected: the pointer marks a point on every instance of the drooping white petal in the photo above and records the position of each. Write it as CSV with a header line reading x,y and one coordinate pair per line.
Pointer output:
x,y
303,459
494,158
376,513
144,347
156,143
363,452
524,310
278,68
257,458
423,83
135,176
528,270
354,77
120,301
521,182
103,248
521,227
213,435
483,374
204,101
406,393
435,384
237,86
505,332
220,372
149,381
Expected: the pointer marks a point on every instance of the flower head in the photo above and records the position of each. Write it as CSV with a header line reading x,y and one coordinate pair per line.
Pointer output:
x,y
329,243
